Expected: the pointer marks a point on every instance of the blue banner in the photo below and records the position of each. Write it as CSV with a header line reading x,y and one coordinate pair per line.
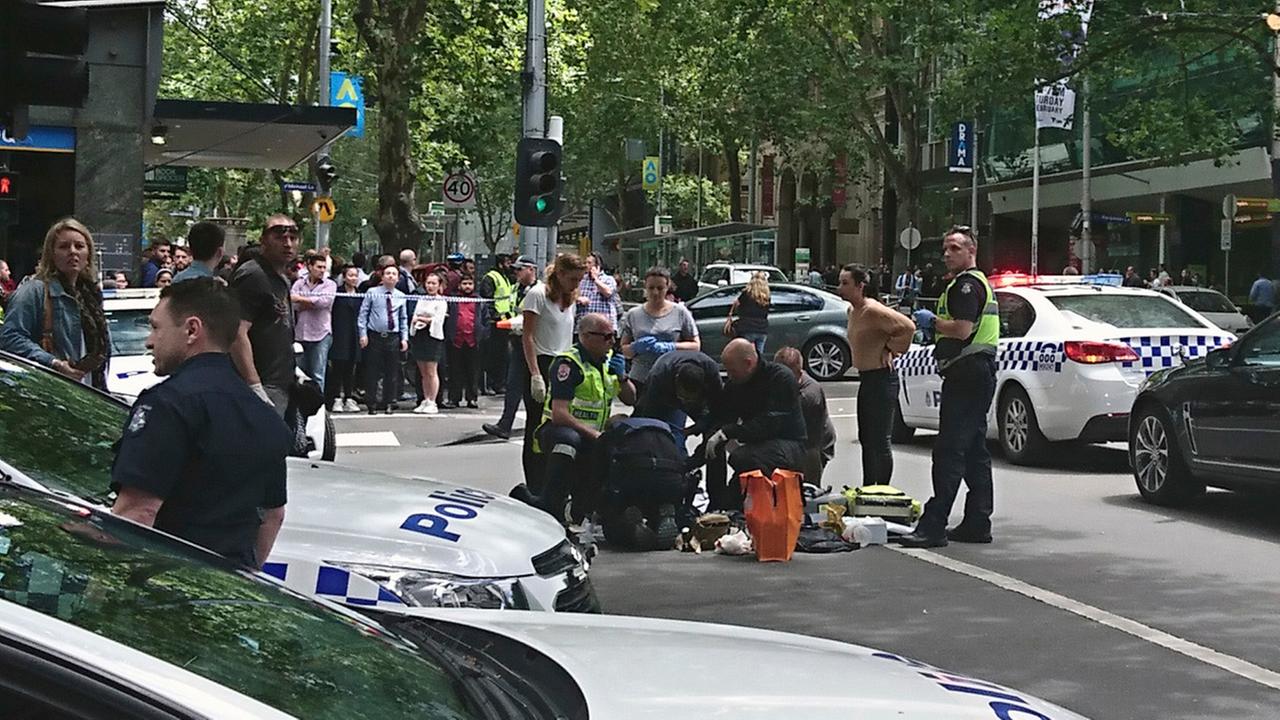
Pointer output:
x,y
348,91
42,138
960,153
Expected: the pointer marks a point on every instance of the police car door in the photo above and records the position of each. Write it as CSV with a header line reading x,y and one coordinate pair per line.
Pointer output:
x,y
920,386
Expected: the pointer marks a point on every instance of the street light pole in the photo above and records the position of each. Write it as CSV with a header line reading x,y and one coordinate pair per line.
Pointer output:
x,y
1273,22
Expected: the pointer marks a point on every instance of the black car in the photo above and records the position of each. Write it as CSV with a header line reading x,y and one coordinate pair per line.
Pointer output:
x,y
1214,421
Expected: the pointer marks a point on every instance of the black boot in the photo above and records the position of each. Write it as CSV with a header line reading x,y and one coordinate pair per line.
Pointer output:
x,y
555,490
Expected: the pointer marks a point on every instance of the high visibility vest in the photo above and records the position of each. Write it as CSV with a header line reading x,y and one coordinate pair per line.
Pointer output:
x,y
504,294
591,399
986,334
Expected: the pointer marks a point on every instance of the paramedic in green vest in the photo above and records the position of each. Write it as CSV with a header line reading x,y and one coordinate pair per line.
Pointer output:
x,y
496,285
582,384
967,328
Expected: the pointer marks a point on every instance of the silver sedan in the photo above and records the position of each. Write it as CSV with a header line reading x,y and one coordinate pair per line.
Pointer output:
x,y
803,317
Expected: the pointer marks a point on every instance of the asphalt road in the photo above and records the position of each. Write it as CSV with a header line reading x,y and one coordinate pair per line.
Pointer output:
x,y
1088,597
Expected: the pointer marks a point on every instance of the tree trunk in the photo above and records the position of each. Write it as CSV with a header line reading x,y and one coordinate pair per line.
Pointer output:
x,y
734,167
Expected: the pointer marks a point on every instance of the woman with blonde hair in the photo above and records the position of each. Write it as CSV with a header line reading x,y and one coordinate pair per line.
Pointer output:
x,y
55,317
749,316
548,314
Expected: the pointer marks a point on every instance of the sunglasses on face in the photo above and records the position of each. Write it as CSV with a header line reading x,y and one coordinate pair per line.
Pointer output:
x,y
283,230
601,335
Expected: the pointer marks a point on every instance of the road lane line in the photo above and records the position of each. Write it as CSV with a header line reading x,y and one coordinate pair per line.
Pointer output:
x,y
384,438
1209,656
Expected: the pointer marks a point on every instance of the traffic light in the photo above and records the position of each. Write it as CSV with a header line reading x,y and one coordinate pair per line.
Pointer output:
x,y
40,60
326,172
538,182
8,185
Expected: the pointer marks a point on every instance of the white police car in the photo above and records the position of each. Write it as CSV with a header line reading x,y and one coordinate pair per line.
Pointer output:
x,y
103,619
130,369
359,537
1073,352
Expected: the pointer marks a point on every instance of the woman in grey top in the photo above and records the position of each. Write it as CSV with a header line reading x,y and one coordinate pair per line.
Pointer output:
x,y
657,327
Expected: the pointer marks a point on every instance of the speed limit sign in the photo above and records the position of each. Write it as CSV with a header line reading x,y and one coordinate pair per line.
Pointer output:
x,y
460,190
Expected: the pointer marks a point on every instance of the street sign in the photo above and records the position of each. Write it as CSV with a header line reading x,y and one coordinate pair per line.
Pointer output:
x,y
324,208
960,152
1229,206
662,225
802,258
651,172
167,179
1227,224
1110,219
909,238
1149,218
297,186
435,208
1237,204
348,91
460,190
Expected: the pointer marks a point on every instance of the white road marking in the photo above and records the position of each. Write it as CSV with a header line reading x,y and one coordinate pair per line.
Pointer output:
x,y
383,438
842,415
1209,656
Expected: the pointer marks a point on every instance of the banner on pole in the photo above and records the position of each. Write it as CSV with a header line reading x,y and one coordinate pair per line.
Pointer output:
x,y
1055,106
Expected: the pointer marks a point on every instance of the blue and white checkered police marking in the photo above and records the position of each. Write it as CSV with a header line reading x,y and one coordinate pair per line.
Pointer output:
x,y
333,583
1034,355
914,363
1166,351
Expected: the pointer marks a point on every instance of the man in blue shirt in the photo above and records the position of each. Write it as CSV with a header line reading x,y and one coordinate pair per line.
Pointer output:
x,y
384,334
206,240
1263,297
201,456
159,259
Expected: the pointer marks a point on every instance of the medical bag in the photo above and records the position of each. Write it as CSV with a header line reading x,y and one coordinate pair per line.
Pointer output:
x,y
883,501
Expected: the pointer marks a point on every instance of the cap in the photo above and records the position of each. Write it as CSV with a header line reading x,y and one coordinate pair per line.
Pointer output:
x,y
455,257
523,261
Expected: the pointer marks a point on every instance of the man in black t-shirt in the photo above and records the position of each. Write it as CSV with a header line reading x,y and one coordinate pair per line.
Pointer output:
x,y
686,285
201,457
263,351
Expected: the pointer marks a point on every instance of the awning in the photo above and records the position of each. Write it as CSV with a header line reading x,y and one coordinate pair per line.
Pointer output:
x,y
242,135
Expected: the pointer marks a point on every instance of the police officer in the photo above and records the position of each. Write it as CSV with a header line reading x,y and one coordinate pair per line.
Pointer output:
x,y
968,330
496,285
202,457
583,384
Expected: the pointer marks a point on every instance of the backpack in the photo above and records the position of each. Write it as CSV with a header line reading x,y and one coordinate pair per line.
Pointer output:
x,y
643,465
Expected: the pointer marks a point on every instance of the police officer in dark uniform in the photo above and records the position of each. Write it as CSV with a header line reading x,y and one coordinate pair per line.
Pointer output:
x,y
682,384
968,330
202,457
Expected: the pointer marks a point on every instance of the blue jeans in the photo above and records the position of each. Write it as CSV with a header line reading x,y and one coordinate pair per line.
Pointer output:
x,y
756,339
315,357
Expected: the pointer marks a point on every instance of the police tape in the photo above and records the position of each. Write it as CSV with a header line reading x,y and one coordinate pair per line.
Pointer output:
x,y
415,298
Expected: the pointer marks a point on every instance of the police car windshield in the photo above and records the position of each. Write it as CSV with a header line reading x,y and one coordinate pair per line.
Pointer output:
x,y
1206,301
129,330
175,603
57,432
1125,310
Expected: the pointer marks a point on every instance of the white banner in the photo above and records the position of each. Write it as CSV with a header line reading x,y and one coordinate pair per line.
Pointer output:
x,y
1055,106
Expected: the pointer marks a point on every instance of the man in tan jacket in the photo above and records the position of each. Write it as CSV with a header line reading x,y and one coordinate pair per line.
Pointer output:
x,y
877,334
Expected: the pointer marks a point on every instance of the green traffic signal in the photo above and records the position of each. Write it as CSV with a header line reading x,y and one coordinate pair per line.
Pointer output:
x,y
540,205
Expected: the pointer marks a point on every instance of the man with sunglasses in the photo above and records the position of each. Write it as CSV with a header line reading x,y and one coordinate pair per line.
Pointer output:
x,y
967,326
583,384
263,350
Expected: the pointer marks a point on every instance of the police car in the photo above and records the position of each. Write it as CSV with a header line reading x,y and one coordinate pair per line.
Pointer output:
x,y
1073,352
101,618
359,537
130,369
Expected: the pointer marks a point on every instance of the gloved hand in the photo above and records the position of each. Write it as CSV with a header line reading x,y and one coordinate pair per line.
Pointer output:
x,y
924,318
714,442
644,345
538,388
261,392
618,366
664,347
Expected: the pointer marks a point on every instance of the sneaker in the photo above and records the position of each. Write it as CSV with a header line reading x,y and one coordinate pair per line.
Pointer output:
x,y
350,405
667,530
431,408
496,431
421,409
472,405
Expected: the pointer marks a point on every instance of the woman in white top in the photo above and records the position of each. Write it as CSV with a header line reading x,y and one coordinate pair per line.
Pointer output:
x,y
427,341
656,328
548,314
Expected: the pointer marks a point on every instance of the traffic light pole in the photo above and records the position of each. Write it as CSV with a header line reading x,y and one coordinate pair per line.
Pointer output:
x,y
534,240
326,25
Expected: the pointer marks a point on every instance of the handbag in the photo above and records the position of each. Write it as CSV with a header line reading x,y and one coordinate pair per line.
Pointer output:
x,y
730,329
774,511
46,338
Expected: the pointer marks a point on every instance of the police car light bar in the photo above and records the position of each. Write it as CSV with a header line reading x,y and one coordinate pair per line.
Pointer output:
x,y
1024,280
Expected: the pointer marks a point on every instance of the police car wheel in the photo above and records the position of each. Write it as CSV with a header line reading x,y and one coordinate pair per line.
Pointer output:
x,y
1020,436
902,432
826,358
330,440
1159,470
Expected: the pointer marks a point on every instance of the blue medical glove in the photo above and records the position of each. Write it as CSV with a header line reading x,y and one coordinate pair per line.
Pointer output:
x,y
618,366
643,345
924,318
664,347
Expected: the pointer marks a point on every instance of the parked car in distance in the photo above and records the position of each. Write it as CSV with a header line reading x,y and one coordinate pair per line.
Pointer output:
x,y
718,275
1213,305
812,320
1213,421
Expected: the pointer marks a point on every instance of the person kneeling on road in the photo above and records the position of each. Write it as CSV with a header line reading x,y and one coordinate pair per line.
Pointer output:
x,y
583,384
760,423
682,384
